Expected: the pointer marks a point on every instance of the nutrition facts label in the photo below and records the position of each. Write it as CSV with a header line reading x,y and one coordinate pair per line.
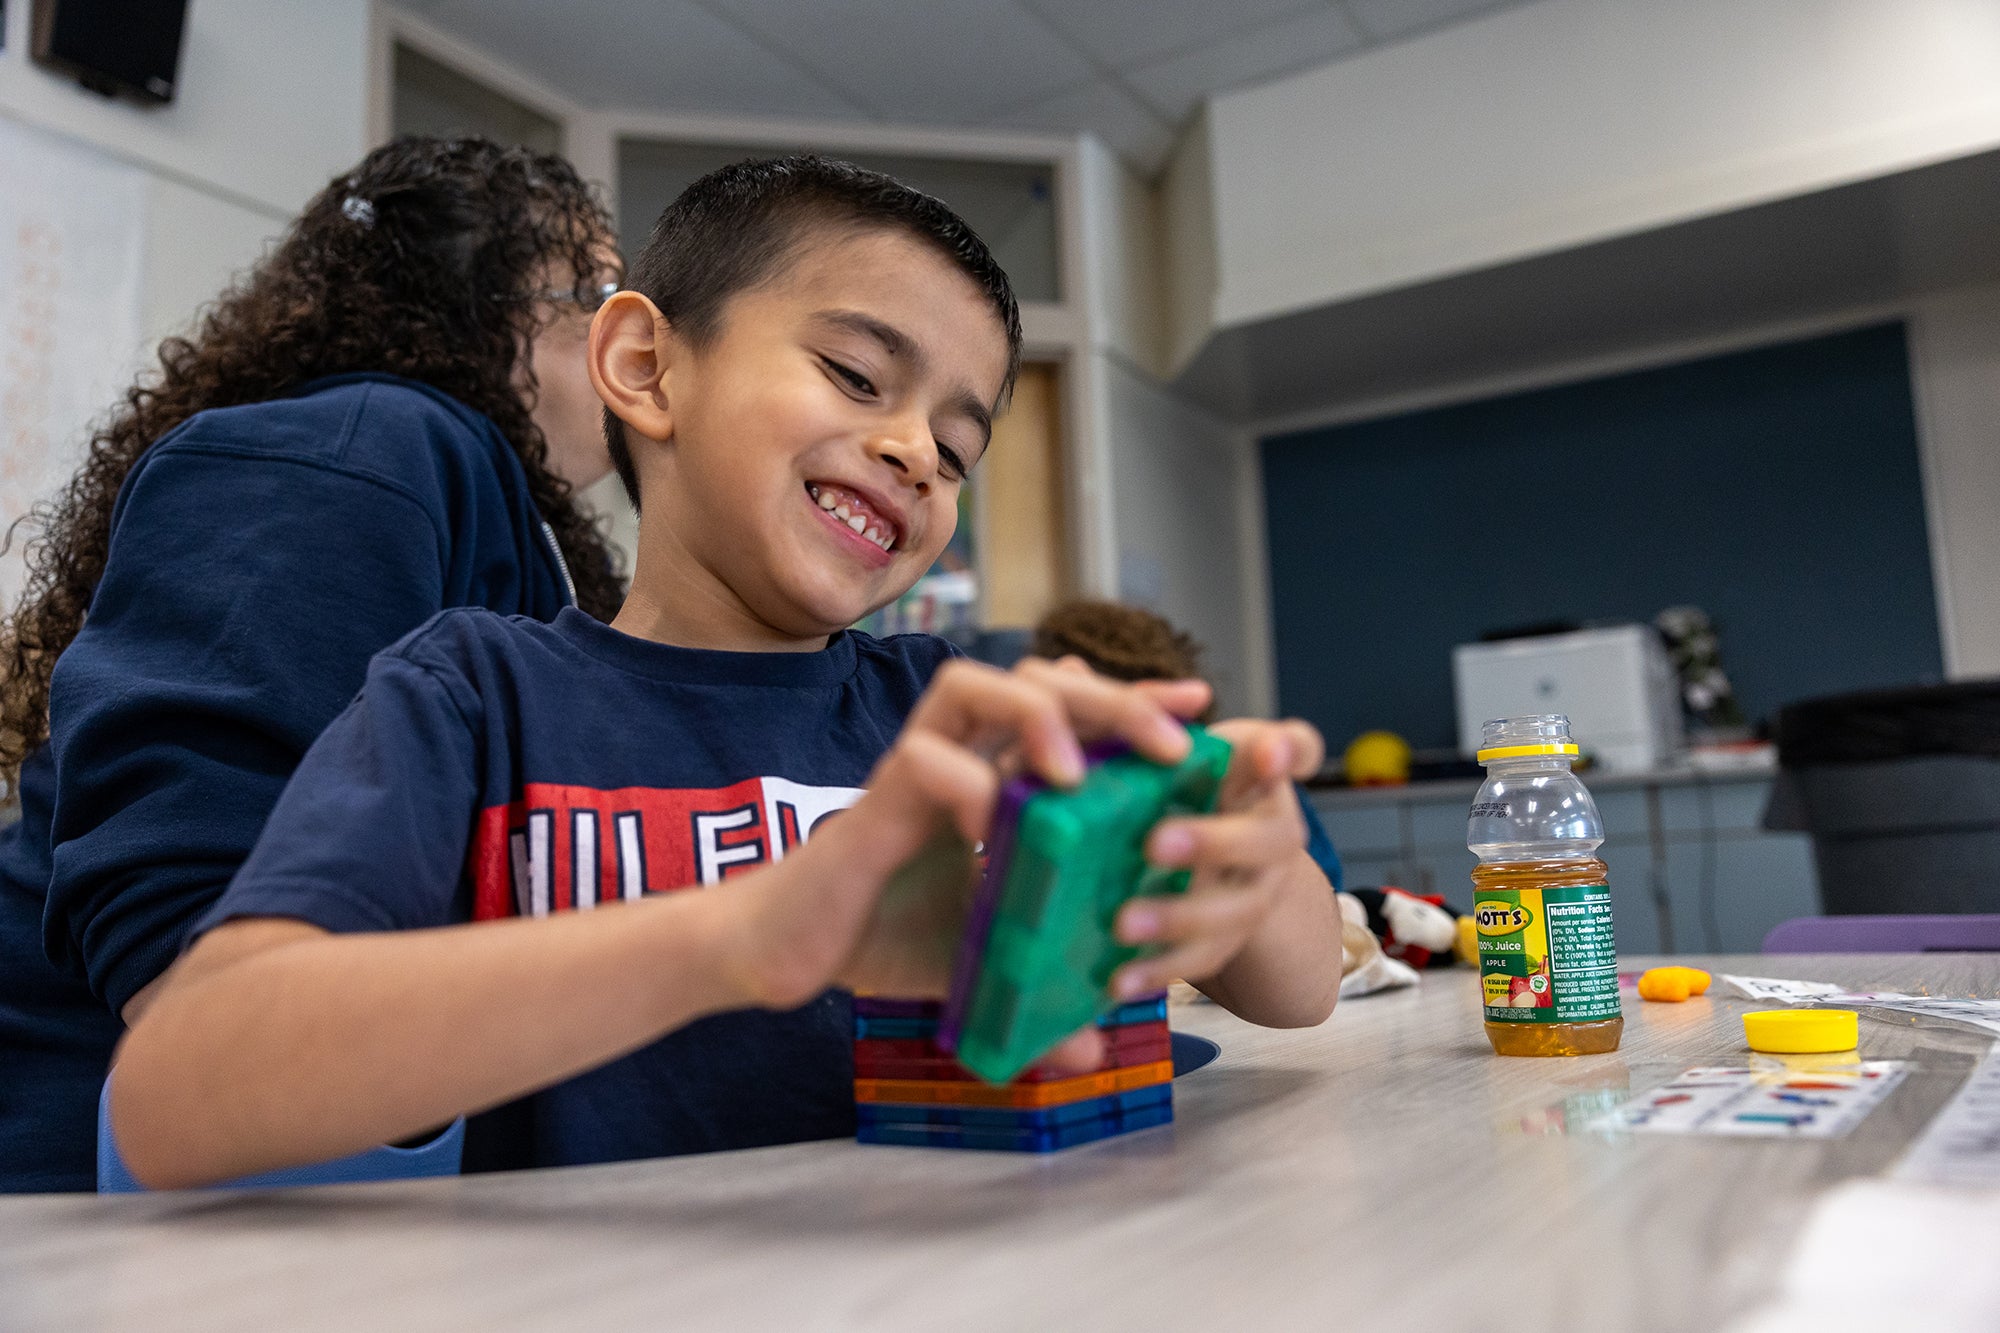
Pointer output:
x,y
1580,934
1581,952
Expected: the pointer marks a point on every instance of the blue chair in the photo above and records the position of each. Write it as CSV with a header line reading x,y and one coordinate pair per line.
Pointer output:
x,y
1970,933
439,1157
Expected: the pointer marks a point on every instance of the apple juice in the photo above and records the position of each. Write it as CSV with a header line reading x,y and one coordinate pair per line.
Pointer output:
x,y
1541,901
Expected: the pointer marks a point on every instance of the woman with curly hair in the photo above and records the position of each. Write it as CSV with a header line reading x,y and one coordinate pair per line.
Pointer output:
x,y
389,415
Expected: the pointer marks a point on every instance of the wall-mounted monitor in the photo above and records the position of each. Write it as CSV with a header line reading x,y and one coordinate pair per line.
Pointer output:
x,y
128,48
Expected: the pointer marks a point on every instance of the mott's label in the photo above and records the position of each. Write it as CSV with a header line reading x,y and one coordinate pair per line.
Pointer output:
x,y
1545,955
1498,918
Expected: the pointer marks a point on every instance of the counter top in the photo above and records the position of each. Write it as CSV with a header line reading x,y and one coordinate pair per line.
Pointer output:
x,y
1383,1170
1438,789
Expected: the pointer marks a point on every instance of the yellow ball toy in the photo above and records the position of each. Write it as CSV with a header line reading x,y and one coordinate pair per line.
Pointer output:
x,y
1378,759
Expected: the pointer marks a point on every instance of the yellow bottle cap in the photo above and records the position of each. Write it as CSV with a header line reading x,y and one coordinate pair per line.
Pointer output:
x,y
1516,751
1802,1031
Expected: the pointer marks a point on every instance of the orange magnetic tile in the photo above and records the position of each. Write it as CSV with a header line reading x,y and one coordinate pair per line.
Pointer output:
x,y
1055,1093
1142,1076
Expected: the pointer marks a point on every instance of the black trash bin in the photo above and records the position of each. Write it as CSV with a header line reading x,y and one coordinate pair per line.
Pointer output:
x,y
1900,790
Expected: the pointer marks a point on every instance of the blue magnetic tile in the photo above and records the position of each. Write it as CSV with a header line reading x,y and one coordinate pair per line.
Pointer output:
x,y
918,1136
1146,1117
1015,1140
1139,1011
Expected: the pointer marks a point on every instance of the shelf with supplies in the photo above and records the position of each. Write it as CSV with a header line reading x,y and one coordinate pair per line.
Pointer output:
x,y
1691,866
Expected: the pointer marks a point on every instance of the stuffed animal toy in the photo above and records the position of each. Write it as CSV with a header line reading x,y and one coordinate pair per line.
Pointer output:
x,y
1364,968
1420,929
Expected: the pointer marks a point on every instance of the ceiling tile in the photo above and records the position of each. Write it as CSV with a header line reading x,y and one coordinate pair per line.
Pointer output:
x,y
1109,112
1398,18
1124,33
922,61
1174,87
662,55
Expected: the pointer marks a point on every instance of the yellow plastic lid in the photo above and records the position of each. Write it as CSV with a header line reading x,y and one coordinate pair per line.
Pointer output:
x,y
1801,1031
1516,751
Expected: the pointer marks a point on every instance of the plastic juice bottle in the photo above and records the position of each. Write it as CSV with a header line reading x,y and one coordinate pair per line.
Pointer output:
x,y
1547,966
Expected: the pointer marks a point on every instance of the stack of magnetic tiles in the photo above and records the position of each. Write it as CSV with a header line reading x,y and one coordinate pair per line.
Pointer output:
x,y
909,1090
1035,965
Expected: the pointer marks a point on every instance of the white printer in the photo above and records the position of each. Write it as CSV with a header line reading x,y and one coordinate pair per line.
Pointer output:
x,y
1615,684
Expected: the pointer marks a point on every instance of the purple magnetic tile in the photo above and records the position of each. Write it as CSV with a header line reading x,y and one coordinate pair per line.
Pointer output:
x,y
1098,751
985,903
879,1006
992,881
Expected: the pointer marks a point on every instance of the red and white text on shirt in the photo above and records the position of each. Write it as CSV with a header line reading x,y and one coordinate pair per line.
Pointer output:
x,y
559,848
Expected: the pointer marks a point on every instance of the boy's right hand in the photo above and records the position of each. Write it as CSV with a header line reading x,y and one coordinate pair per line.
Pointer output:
x,y
823,916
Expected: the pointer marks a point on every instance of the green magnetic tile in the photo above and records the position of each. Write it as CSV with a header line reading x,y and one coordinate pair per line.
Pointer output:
x,y
1077,857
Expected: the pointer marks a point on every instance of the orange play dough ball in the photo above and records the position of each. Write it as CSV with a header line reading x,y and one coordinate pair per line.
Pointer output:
x,y
1665,984
1670,985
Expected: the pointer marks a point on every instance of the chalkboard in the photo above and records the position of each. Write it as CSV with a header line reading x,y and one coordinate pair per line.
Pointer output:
x,y
1777,488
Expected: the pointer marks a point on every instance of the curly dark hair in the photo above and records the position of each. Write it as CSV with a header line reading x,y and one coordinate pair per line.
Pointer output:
x,y
1120,641
424,261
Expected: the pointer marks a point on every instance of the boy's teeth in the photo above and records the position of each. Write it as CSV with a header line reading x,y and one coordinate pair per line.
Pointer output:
x,y
856,521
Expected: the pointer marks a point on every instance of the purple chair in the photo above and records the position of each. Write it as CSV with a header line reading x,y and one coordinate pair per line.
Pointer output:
x,y
1886,934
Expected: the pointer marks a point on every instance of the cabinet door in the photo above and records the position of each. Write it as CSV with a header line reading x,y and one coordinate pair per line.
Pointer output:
x,y
1635,917
1730,889
1721,803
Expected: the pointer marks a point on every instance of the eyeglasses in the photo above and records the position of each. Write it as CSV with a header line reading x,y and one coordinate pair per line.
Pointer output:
x,y
592,298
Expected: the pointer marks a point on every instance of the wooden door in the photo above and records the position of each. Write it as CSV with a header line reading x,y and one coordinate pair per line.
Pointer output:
x,y
1023,547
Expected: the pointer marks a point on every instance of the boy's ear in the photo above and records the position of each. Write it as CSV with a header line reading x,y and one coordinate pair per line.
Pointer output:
x,y
630,348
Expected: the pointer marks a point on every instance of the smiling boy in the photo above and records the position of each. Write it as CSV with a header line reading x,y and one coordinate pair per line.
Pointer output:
x,y
470,899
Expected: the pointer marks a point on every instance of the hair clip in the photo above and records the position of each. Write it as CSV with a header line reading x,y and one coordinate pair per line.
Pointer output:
x,y
356,209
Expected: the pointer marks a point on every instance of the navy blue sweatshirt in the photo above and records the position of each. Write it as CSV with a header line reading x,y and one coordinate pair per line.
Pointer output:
x,y
259,556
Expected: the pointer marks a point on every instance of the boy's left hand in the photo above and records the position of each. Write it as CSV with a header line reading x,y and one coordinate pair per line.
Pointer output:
x,y
1247,858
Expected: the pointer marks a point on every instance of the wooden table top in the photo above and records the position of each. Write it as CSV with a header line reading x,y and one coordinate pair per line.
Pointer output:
x,y
1384,1170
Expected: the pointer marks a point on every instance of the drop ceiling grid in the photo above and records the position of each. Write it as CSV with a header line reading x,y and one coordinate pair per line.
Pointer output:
x,y
1130,71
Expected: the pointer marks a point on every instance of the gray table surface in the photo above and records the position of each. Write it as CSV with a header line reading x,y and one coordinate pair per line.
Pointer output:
x,y
1382,1171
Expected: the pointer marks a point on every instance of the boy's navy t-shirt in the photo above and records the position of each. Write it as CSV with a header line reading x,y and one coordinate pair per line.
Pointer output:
x,y
495,767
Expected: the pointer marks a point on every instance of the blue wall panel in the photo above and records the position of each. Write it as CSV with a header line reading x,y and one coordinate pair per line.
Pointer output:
x,y
1777,488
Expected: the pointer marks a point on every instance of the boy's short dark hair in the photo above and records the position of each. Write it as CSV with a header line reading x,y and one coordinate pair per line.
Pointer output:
x,y
731,230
